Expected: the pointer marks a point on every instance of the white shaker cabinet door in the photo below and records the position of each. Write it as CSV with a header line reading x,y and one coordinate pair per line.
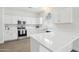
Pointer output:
x,y
7,19
13,33
14,19
62,15
10,19
6,35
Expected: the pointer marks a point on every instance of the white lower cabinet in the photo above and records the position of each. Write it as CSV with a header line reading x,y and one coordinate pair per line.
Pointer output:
x,y
10,34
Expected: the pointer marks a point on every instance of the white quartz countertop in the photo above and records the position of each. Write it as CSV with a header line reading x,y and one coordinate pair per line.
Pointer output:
x,y
56,40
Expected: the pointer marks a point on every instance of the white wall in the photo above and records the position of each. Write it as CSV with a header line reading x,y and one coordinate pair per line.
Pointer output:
x,y
1,26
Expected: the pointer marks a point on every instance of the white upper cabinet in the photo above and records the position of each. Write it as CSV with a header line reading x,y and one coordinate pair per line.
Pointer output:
x,y
62,15
31,20
14,19
7,19
10,19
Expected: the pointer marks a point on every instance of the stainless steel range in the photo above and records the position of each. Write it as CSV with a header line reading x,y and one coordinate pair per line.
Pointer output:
x,y
21,28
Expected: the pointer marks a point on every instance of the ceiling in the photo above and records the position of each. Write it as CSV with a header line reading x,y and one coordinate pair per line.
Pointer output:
x,y
26,9
39,11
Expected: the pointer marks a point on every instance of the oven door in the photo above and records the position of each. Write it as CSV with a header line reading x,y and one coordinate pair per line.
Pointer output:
x,y
24,32
20,32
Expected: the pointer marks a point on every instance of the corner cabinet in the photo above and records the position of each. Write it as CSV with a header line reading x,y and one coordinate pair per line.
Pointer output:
x,y
62,15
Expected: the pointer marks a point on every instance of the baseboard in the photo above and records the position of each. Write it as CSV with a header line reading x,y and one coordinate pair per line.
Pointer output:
x,y
23,37
10,40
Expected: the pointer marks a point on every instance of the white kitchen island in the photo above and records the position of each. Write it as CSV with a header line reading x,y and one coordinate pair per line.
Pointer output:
x,y
56,41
